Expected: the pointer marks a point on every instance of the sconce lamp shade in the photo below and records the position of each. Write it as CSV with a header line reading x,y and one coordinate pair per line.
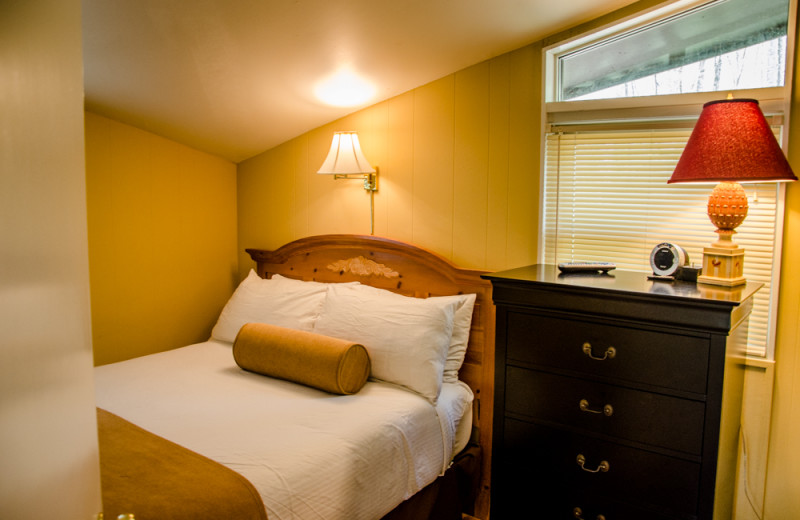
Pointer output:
x,y
345,156
732,141
345,161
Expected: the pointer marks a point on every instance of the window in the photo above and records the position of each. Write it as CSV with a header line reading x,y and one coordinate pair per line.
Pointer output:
x,y
758,65
609,151
716,46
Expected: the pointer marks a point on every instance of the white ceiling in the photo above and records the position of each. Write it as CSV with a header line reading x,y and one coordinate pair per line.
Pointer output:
x,y
236,77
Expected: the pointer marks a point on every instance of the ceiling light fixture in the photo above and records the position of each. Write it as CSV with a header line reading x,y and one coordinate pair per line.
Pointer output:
x,y
345,89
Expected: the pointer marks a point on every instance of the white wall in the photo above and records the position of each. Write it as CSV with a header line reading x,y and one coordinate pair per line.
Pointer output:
x,y
48,440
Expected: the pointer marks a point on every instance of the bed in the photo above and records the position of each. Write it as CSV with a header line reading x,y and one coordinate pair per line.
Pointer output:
x,y
213,431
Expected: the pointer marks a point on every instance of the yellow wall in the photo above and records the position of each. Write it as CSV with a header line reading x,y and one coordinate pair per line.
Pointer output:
x,y
459,164
782,494
783,468
772,413
162,240
458,161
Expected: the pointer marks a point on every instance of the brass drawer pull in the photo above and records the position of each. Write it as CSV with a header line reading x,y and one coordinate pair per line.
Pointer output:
x,y
609,353
607,410
578,513
604,465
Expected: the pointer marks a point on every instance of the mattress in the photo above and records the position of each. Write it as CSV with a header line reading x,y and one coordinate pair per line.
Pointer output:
x,y
310,454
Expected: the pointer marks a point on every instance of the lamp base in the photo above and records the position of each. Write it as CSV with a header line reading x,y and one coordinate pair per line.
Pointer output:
x,y
722,266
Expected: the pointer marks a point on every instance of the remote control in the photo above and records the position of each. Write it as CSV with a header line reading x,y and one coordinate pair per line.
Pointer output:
x,y
586,267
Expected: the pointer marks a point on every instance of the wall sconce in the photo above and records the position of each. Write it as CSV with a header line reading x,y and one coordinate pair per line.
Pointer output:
x,y
346,161
731,143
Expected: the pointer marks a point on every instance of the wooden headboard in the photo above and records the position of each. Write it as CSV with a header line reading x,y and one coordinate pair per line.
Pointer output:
x,y
411,271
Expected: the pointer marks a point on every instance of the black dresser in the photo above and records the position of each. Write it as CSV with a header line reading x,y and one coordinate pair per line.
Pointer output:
x,y
616,397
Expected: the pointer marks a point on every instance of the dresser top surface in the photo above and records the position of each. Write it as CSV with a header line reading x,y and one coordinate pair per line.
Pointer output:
x,y
620,282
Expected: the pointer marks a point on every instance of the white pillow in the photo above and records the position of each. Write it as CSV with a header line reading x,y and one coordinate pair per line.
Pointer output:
x,y
407,338
278,301
462,321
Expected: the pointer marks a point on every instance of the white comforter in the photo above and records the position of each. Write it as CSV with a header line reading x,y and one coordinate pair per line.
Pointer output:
x,y
311,455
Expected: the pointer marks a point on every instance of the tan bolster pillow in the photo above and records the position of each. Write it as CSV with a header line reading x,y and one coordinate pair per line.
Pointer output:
x,y
330,364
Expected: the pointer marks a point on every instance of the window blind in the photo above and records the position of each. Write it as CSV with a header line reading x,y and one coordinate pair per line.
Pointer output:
x,y
606,198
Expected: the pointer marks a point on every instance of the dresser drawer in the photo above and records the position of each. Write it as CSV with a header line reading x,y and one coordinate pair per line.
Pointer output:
x,y
547,462
620,353
558,502
634,415
592,507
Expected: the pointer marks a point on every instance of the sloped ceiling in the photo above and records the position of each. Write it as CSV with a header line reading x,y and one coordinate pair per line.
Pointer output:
x,y
237,77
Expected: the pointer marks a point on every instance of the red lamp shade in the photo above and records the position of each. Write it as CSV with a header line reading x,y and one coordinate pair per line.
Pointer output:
x,y
732,141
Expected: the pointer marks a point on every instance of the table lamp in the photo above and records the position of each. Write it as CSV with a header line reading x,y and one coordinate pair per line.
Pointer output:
x,y
731,143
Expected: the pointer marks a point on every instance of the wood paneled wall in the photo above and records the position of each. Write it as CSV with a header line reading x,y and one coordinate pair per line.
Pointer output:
x,y
459,162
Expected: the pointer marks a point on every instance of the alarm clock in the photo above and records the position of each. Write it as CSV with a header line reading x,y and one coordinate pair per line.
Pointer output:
x,y
667,260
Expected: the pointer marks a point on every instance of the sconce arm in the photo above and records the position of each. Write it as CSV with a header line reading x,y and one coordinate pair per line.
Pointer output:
x,y
370,179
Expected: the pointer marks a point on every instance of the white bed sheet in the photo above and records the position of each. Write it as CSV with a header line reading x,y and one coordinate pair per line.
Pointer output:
x,y
310,455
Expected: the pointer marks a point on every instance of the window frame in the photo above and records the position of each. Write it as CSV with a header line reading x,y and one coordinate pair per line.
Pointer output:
x,y
644,111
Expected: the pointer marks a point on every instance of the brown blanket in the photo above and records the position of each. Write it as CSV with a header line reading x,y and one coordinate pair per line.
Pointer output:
x,y
155,479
